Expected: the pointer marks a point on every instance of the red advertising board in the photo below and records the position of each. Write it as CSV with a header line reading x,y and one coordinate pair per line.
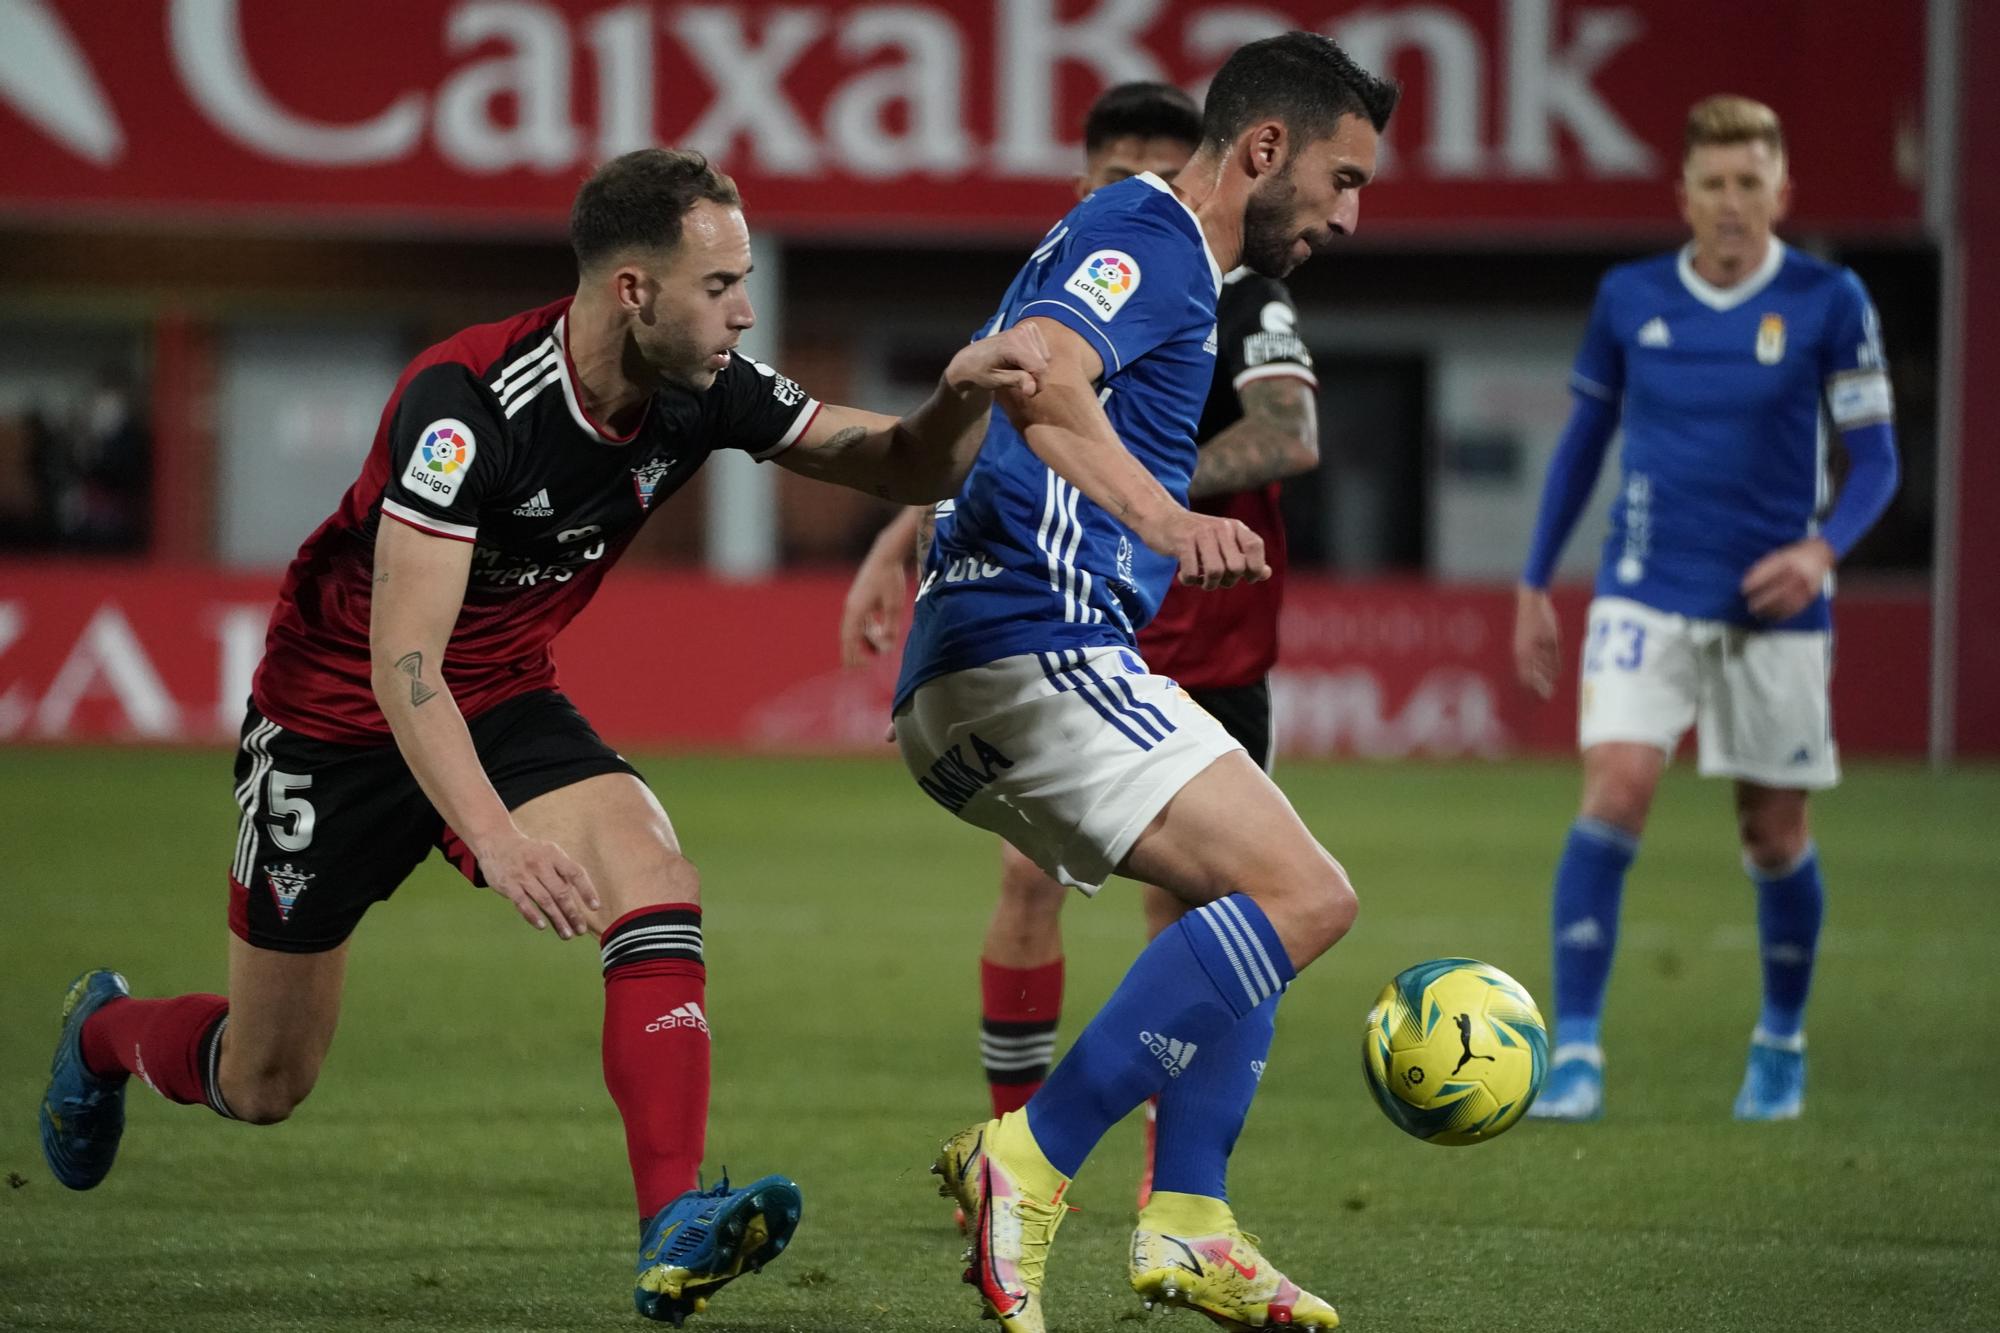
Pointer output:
x,y
1371,670
1524,117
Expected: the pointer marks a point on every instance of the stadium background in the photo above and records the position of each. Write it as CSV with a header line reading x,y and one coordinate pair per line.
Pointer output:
x,y
224,226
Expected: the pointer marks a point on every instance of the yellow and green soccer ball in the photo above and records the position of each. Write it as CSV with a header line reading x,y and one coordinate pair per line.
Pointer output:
x,y
1454,1051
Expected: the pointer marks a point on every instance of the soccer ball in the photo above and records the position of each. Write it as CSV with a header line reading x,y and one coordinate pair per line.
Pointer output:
x,y
1454,1051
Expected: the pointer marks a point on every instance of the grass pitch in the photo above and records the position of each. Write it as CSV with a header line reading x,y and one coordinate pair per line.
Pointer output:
x,y
460,1166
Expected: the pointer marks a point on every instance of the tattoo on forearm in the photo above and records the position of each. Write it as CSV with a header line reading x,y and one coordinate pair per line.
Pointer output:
x,y
412,665
841,441
926,533
1259,448
382,577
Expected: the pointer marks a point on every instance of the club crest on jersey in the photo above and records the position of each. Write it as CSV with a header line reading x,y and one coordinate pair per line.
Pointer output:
x,y
1105,281
1771,340
443,456
647,478
287,882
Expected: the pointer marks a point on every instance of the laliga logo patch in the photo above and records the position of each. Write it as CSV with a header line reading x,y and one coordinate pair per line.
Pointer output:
x,y
287,882
1105,281
1771,340
443,456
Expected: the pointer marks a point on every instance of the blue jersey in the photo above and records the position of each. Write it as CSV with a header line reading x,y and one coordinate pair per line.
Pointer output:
x,y
1724,396
1021,561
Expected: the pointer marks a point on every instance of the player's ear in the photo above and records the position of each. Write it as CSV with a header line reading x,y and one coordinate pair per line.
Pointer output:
x,y
1083,185
631,290
1784,194
1267,147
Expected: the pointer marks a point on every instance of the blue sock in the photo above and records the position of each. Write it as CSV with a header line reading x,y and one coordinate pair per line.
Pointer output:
x,y
1202,1111
1789,906
1188,988
1590,881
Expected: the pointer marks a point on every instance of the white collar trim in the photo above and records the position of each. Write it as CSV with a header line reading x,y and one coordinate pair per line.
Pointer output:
x,y
1214,269
1728,298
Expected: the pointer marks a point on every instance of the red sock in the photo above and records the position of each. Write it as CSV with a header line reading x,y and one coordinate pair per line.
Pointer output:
x,y
172,1045
656,1047
1018,1011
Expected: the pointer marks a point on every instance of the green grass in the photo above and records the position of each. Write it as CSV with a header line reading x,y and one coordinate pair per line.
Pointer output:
x,y
460,1166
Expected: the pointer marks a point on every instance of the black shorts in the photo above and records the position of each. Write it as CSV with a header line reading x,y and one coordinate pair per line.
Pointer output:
x,y
330,830
1245,713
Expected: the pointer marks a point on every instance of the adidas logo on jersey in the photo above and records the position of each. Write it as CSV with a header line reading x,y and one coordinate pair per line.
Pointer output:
x,y
687,1015
1172,1052
535,506
1653,333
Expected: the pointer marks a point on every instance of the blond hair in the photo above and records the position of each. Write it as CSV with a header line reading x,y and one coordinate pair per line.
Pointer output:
x,y
1727,119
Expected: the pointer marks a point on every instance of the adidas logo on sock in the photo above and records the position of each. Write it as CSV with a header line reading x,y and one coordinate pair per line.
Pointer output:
x,y
1584,934
1172,1052
687,1015
535,506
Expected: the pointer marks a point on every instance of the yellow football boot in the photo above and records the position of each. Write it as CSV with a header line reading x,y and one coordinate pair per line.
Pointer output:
x,y
1014,1199
1188,1252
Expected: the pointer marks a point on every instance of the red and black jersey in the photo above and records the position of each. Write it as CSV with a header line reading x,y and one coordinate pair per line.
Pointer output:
x,y
1229,637
486,441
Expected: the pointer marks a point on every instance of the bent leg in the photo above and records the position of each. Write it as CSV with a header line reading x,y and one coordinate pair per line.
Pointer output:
x,y
282,1012
656,1036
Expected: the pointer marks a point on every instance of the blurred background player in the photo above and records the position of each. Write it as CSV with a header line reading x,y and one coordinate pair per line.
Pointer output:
x,y
1712,600
1259,426
407,700
1024,708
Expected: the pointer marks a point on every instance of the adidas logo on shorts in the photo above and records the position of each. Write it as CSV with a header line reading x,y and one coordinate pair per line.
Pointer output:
x,y
1172,1052
687,1015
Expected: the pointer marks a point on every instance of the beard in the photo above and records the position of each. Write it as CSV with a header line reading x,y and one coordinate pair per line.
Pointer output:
x,y
1267,237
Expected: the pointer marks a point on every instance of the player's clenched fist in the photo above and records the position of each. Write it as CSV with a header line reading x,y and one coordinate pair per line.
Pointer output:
x,y
1214,552
1015,359
542,882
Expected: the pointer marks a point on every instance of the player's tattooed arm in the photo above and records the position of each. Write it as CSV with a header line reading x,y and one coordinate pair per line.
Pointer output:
x,y
926,454
1277,437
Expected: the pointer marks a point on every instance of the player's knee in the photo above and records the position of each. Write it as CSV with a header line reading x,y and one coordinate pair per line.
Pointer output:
x,y
1024,887
1773,840
666,877
1619,799
268,1096
1316,909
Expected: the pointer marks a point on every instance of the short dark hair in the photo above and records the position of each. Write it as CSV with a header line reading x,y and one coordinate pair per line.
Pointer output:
x,y
637,201
1149,110
1301,78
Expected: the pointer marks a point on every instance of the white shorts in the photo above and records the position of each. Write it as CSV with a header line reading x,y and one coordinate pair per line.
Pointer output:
x,y
1760,696
1067,755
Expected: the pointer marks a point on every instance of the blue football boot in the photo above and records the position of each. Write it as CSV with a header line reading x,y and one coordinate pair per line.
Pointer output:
x,y
1774,1081
83,1115
1574,1086
706,1239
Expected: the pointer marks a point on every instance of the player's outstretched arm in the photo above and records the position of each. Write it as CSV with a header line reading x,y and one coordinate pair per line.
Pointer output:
x,y
1064,423
418,590
872,616
1276,437
925,455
